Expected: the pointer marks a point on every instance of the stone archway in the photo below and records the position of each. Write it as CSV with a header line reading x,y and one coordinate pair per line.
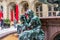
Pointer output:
x,y
11,11
57,37
23,6
11,6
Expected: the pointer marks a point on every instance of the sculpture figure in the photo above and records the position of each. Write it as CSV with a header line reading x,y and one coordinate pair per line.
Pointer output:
x,y
32,27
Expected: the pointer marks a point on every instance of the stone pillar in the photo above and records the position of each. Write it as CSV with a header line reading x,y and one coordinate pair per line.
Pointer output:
x,y
4,9
45,10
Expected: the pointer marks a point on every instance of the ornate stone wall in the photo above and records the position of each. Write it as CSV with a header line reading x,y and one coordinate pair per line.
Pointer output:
x,y
51,28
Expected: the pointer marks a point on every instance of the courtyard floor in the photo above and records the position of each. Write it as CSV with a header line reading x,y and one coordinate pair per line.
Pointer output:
x,y
8,34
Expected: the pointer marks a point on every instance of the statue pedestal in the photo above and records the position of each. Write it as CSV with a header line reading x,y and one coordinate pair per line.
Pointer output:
x,y
51,26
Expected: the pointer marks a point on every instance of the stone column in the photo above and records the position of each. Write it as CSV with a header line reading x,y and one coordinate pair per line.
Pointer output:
x,y
4,4
45,10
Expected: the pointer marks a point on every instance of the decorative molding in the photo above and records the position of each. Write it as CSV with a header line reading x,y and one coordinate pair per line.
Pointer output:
x,y
51,22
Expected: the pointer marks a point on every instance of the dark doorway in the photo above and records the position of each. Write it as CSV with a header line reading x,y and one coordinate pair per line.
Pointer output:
x,y
57,37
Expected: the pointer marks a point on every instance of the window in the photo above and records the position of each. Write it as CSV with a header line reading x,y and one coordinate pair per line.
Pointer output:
x,y
59,8
49,8
41,15
55,8
58,14
52,10
39,9
25,6
36,9
49,14
37,14
54,13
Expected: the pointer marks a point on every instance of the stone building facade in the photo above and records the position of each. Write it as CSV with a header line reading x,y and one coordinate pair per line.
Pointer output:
x,y
40,9
35,5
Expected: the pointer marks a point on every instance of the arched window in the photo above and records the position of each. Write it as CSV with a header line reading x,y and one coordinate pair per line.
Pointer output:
x,y
24,5
38,7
